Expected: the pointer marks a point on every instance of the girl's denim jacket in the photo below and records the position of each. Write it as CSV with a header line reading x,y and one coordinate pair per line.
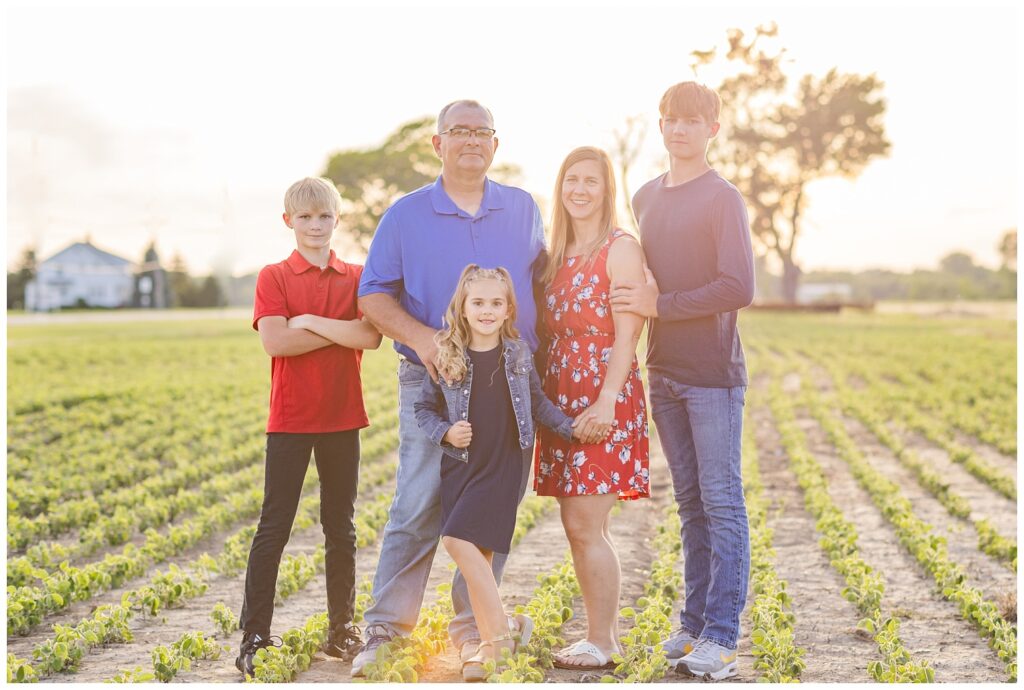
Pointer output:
x,y
442,402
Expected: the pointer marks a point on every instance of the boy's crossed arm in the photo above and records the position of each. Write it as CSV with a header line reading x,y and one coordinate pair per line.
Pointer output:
x,y
283,337
358,334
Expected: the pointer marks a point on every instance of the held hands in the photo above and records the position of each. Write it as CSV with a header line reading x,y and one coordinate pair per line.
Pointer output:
x,y
580,435
595,423
639,298
459,434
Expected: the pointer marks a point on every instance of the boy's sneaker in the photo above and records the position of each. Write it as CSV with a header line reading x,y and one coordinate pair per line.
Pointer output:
x,y
677,645
377,635
709,660
343,642
252,643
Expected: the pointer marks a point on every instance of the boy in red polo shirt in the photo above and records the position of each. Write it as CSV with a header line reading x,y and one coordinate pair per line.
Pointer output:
x,y
306,315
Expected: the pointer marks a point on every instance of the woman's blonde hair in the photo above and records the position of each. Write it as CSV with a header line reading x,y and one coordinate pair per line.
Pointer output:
x,y
454,338
561,221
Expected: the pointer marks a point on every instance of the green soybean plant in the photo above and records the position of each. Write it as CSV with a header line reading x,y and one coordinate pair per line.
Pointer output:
x,y
224,619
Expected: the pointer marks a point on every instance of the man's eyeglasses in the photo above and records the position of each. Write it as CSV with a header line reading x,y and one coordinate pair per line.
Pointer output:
x,y
484,133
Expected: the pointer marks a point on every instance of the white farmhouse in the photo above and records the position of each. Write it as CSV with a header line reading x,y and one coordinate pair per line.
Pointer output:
x,y
810,293
81,275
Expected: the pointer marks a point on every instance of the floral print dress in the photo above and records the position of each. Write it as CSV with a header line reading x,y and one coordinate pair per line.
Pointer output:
x,y
578,316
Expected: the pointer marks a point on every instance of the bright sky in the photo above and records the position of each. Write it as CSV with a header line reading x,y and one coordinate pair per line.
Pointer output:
x,y
187,125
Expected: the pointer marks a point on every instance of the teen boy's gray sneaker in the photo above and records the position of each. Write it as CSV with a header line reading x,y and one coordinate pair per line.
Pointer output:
x,y
376,635
677,645
709,660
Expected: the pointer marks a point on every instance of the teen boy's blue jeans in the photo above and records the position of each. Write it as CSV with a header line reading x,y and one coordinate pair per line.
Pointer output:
x,y
414,527
700,431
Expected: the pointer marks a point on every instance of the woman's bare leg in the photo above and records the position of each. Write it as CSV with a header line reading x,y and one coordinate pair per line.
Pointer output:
x,y
586,520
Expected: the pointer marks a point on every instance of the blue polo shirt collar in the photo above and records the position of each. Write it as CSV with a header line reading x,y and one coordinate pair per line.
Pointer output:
x,y
297,262
443,204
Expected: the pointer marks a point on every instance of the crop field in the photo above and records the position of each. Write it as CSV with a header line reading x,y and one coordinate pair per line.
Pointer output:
x,y
879,467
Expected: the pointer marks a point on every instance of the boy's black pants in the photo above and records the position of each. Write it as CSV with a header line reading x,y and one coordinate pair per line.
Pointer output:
x,y
337,463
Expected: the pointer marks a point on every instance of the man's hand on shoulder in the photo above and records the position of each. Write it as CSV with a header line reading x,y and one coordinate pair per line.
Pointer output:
x,y
638,298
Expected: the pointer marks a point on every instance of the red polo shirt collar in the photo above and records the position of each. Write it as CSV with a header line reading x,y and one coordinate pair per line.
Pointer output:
x,y
297,262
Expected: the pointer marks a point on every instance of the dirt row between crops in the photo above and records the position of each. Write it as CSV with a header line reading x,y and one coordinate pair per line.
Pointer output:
x,y
992,576
71,539
989,453
102,663
931,628
825,624
985,501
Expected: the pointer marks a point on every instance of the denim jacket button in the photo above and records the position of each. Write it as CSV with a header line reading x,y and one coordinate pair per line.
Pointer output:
x,y
463,414
465,391
517,399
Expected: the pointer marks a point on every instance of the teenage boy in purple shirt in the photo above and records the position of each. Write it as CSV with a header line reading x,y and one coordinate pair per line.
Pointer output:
x,y
695,234
421,246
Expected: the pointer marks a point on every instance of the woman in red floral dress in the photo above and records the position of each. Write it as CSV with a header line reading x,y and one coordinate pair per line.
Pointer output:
x,y
592,372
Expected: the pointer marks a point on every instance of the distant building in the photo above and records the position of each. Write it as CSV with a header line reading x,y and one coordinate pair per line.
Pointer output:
x,y
81,275
152,284
811,293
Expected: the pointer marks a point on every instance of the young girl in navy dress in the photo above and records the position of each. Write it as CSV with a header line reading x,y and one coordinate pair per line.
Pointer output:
x,y
481,414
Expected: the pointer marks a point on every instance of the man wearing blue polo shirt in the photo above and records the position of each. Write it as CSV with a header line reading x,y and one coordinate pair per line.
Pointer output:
x,y
420,248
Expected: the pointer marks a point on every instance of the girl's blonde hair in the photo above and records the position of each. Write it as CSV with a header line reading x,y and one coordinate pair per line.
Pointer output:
x,y
561,221
454,338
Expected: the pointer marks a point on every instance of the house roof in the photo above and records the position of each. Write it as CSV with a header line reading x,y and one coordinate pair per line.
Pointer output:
x,y
86,252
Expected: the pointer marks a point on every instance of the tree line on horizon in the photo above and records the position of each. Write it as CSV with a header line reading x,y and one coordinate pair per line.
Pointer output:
x,y
957,277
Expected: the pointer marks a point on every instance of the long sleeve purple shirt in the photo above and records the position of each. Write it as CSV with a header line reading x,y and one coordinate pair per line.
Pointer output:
x,y
696,237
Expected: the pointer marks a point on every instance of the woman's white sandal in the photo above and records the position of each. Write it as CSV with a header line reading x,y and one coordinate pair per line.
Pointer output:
x,y
584,647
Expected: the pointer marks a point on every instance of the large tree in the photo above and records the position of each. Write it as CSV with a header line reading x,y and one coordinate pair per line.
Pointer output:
x,y
776,139
371,179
